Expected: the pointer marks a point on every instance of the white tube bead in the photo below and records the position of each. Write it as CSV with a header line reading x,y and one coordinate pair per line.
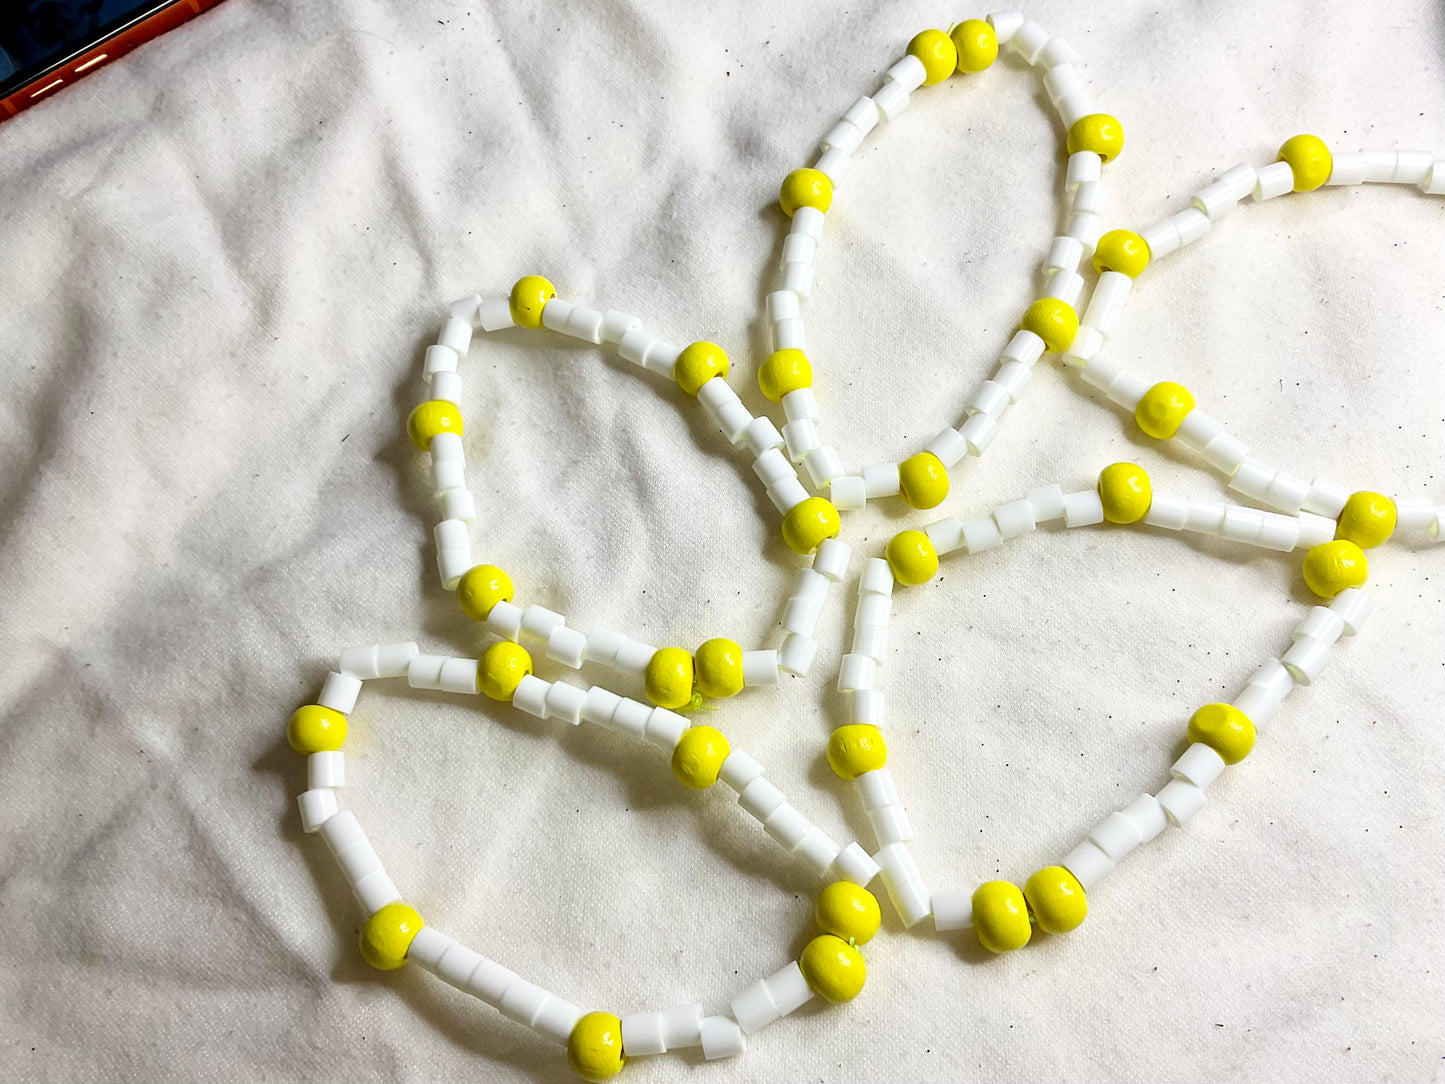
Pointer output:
x,y
760,668
1272,181
1146,815
1107,301
1063,255
904,883
438,359
1352,606
1084,166
1005,24
1083,509
339,692
377,660
1088,864
1199,765
326,771
495,314
1306,658
1180,801
317,807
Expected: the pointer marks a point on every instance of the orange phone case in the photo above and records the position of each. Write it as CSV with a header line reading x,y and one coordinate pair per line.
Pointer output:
x,y
122,42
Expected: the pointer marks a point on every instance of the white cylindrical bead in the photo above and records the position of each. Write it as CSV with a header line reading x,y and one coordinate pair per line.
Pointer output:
x,y
538,622
801,437
908,72
843,137
862,114
377,660
760,667
1221,197
495,314
1047,503
891,99
1083,509
760,435
881,480
565,702
796,655
633,656
787,825
1273,180
949,446
1064,255
787,493
739,769
1005,24
443,674
1145,814
326,770
988,398
945,534
459,504
531,696
454,551
760,798
1163,237
1116,836
339,692
904,883
831,559
1321,623
978,432
856,672
1012,377
876,578
1199,765
1180,801
980,533
1028,41
317,807
1169,512
1014,519
890,825
1086,227
1352,606
1107,301
1066,286
1088,864
456,335
855,865
1306,658
447,387
721,1038
567,646
823,465
1084,166
867,706
952,909
439,359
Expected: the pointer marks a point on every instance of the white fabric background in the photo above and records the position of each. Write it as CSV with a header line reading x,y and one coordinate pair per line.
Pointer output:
x,y
220,261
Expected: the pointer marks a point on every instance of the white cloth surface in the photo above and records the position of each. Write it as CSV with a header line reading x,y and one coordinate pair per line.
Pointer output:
x,y
220,262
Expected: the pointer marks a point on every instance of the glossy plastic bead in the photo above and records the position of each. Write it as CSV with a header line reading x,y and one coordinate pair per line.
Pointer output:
x,y
481,588
718,668
855,749
1331,567
1367,519
529,297
784,371
430,418
698,757
808,524
697,364
1163,409
976,45
1000,916
1056,899
805,188
1225,729
314,729
1309,160
1125,490
848,911
669,678
594,1049
938,54
388,934
834,969
1123,251
912,557
503,666
923,480
1098,132
1053,321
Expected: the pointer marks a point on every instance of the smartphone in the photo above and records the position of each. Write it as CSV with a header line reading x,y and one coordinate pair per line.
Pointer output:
x,y
45,45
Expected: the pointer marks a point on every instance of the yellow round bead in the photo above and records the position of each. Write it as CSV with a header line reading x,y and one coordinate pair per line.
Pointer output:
x,y
718,668
1225,729
855,749
529,297
697,364
1098,132
1332,566
1367,519
1309,160
594,1049
314,729
481,588
912,557
784,371
430,418
809,523
976,43
805,188
388,934
938,54
669,677
1125,490
1056,899
923,480
1163,409
848,911
503,666
698,757
1053,321
1000,916
1123,251
834,969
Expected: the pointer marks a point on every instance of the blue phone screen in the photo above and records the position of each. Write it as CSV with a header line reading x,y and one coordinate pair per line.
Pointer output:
x,y
36,35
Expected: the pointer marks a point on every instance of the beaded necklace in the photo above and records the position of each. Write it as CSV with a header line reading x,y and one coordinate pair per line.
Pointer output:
x,y
1332,525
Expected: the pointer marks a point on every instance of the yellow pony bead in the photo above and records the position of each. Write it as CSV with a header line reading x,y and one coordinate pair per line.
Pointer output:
x,y
1000,916
503,666
1367,519
529,297
976,43
697,364
938,54
594,1049
1125,490
923,480
834,969
314,729
855,749
1056,899
848,911
1163,409
430,418
912,557
388,934
784,371
698,757
669,678
1053,321
1225,729
718,668
1123,251
805,188
809,523
1332,566
1309,160
1098,132
481,588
